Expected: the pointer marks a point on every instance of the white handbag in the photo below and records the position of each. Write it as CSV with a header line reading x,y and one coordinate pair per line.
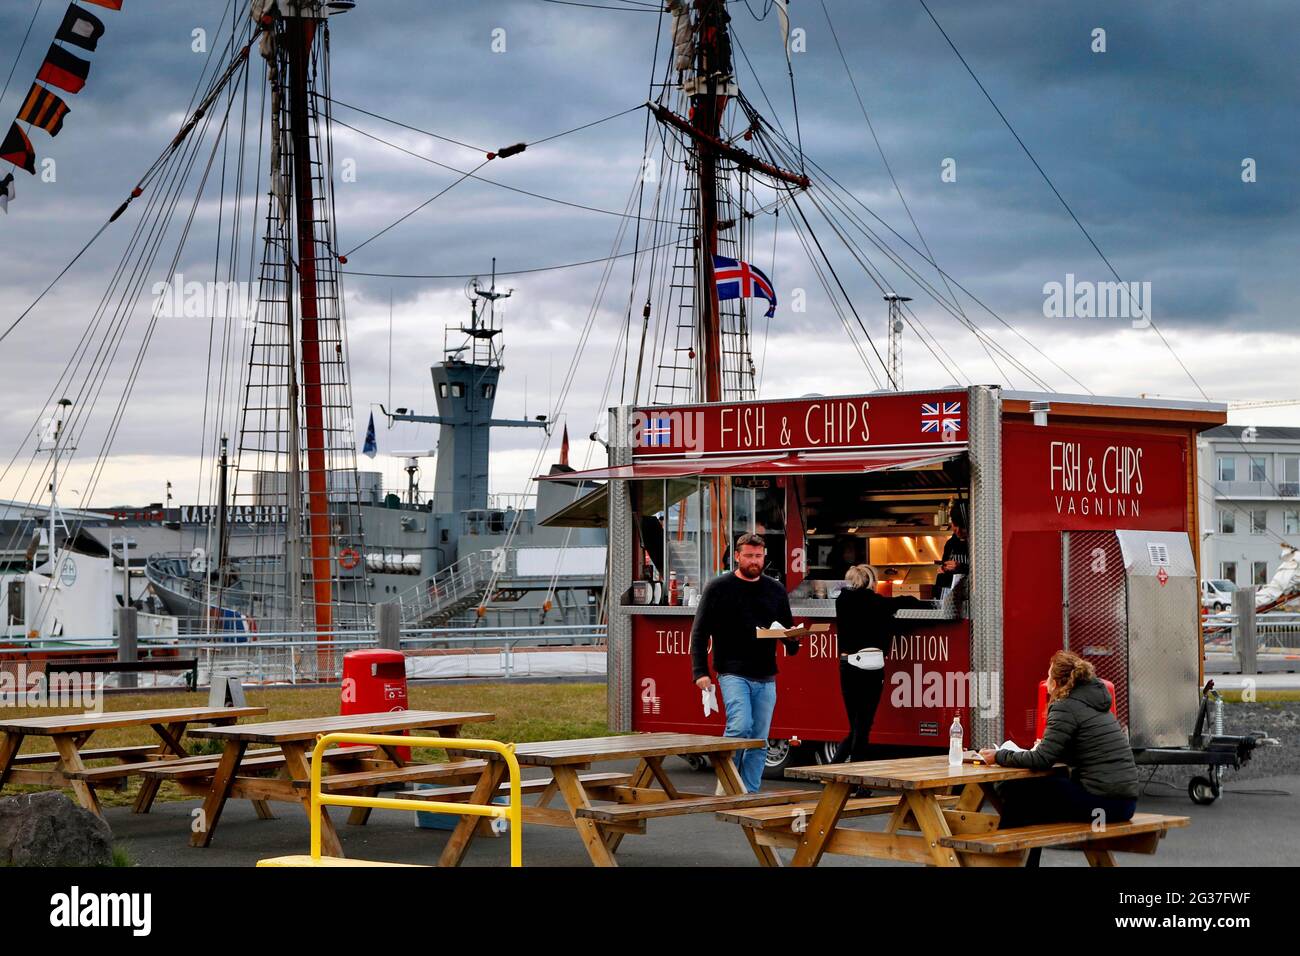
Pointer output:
x,y
868,659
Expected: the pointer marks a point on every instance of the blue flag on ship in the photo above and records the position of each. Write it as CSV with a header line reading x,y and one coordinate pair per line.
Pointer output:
x,y
740,280
371,447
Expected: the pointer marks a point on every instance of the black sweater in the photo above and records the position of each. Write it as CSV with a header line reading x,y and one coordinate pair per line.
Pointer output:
x,y
862,618
730,609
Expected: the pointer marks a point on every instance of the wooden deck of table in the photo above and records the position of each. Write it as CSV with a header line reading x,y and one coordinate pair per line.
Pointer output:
x,y
232,774
71,733
627,802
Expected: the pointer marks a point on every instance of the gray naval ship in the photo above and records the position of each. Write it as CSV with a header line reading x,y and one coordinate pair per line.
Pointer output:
x,y
439,554
455,556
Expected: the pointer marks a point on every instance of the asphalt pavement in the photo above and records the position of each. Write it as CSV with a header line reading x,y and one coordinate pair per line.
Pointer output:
x,y
1254,823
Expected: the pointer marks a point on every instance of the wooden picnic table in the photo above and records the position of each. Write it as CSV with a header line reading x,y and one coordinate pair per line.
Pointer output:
x,y
294,740
954,828
71,732
921,782
646,793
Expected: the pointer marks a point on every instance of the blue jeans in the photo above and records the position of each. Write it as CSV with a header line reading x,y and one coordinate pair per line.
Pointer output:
x,y
749,705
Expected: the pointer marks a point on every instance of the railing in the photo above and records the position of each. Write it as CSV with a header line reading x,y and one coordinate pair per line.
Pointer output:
x,y
1256,489
512,813
1276,633
497,501
298,658
449,590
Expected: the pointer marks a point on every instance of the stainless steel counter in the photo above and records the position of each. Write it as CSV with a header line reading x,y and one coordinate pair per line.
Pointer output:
x,y
814,610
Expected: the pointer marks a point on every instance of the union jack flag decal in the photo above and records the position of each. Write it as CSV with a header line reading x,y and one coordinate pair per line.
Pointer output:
x,y
940,417
658,431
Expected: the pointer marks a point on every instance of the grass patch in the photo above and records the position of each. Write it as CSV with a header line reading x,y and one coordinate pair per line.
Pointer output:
x,y
524,712
121,857
1262,696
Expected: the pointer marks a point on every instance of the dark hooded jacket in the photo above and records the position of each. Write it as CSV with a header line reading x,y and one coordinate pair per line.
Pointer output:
x,y
1083,733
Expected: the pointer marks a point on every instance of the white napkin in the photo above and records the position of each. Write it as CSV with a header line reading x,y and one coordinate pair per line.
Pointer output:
x,y
709,697
868,659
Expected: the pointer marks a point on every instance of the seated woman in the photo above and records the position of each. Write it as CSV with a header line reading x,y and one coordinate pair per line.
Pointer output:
x,y
1083,733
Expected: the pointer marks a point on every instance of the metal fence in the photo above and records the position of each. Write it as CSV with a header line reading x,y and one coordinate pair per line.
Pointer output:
x,y
1276,633
298,657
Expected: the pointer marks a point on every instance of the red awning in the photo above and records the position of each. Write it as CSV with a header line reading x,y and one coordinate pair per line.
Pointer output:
x,y
802,463
674,468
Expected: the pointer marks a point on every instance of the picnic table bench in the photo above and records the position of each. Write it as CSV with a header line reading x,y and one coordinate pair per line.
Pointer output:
x,y
97,753
593,782
1141,834
954,828
70,733
647,794
227,777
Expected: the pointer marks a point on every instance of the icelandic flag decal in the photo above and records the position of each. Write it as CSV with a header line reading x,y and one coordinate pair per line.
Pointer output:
x,y
740,280
940,417
658,431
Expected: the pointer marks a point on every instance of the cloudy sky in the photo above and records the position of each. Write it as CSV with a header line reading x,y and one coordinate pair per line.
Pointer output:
x,y
1145,140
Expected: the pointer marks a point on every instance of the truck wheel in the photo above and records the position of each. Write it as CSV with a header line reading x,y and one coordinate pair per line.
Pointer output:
x,y
1218,607
696,762
780,755
824,752
1202,791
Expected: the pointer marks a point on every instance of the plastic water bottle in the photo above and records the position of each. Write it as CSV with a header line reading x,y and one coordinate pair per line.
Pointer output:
x,y
954,742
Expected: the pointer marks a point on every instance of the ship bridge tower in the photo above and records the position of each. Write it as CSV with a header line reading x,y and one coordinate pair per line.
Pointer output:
x,y
465,386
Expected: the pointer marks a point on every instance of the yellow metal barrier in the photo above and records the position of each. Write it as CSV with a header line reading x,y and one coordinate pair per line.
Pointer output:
x,y
513,812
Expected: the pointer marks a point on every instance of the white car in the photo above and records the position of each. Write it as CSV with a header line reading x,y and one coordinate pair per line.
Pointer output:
x,y
1217,594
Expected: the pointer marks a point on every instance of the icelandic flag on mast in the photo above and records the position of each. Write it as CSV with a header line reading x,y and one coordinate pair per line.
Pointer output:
x,y
740,280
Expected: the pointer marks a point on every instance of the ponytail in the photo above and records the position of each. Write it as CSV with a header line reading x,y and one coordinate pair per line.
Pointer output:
x,y
1069,670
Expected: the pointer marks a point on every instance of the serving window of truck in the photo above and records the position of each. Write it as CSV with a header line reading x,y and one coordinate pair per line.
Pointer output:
x,y
1079,513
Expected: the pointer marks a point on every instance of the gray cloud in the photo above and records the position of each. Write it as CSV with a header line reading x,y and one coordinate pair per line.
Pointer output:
x,y
1145,141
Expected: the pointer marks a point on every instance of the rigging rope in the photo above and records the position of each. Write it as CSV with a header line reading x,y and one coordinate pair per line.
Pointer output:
x,y
897,188
501,272
1051,185
343,257
481,179
21,47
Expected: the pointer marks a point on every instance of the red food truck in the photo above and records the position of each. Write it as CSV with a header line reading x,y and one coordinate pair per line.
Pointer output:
x,y
1082,511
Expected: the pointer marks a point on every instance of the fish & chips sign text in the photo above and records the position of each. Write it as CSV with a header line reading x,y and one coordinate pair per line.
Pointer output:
x,y
811,424
1083,486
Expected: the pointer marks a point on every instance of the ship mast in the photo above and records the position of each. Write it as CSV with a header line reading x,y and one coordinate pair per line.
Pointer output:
x,y
300,36
720,365
297,442
712,85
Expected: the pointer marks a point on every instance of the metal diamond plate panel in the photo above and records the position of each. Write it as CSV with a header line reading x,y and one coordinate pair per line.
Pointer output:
x,y
1163,644
1096,621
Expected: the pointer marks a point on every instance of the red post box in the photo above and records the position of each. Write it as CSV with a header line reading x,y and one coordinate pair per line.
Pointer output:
x,y
1040,712
374,682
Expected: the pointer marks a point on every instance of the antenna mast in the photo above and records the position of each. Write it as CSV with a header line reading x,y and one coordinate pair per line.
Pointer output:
x,y
896,327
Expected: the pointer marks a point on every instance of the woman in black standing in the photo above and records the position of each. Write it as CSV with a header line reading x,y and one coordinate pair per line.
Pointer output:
x,y
862,620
